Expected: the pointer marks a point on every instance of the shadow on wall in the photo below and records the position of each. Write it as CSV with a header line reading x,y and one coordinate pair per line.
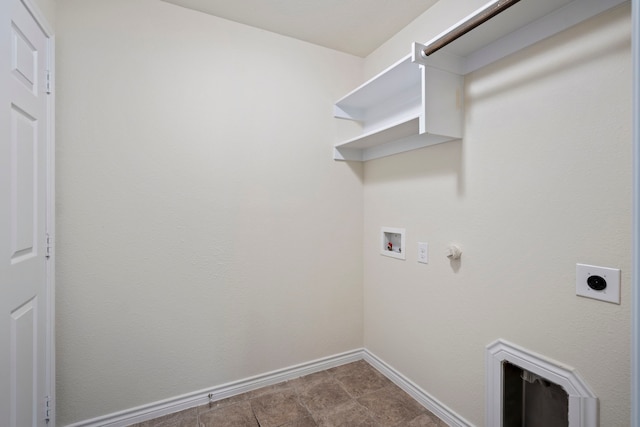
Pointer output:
x,y
435,161
526,67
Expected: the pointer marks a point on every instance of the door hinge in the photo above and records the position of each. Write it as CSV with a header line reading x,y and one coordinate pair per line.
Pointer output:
x,y
48,246
48,408
48,82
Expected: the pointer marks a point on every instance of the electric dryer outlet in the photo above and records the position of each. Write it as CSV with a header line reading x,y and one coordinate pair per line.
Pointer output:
x,y
600,283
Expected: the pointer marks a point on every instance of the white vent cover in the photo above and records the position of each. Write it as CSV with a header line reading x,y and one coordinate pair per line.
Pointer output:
x,y
583,404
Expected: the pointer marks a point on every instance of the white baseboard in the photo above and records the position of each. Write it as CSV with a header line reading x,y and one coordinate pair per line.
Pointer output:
x,y
201,397
425,399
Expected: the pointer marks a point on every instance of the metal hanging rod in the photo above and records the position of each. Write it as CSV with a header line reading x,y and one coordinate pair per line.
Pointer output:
x,y
469,24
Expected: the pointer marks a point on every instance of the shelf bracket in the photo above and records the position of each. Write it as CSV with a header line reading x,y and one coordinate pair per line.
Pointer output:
x,y
416,53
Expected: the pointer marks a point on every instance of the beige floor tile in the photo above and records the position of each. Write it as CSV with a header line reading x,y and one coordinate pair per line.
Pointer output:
x,y
323,396
350,414
278,408
361,380
305,422
236,415
391,406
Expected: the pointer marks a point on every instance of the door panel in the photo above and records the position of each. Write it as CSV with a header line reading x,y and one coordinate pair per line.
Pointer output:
x,y
24,191
23,362
24,59
24,115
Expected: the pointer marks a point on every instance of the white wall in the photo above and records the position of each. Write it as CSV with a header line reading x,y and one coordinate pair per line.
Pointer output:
x,y
540,181
204,234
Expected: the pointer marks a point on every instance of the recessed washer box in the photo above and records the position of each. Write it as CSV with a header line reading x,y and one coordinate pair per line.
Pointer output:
x,y
392,242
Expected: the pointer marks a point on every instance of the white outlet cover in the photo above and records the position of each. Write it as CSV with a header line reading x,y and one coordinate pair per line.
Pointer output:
x,y
423,252
612,275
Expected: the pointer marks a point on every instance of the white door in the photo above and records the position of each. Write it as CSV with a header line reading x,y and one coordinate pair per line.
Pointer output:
x,y
24,133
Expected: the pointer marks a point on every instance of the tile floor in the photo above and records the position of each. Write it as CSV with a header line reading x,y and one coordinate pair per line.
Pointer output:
x,y
351,395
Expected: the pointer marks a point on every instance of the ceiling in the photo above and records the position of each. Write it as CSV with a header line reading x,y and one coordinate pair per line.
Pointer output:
x,y
357,27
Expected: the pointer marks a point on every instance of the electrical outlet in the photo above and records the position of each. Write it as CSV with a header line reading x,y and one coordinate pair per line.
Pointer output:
x,y
598,283
423,252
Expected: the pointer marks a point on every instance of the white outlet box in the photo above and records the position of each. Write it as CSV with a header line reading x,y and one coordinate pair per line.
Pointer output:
x,y
586,274
423,252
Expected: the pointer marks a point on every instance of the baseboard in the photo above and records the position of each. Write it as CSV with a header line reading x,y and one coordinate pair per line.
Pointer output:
x,y
186,401
425,399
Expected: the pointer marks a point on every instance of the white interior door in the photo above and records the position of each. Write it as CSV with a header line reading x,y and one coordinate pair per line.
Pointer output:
x,y
24,307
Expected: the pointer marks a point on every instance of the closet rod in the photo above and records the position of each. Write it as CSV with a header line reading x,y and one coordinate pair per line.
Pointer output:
x,y
469,24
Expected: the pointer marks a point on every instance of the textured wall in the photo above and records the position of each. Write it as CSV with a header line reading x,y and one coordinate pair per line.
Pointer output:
x,y
204,233
540,181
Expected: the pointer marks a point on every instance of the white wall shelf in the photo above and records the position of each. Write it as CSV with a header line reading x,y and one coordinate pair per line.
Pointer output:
x,y
393,108
418,101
